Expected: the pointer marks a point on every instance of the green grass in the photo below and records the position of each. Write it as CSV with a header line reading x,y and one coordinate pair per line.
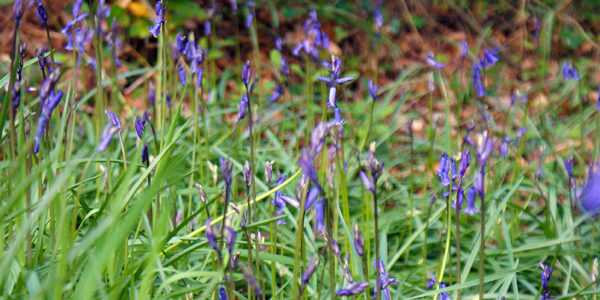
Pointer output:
x,y
77,224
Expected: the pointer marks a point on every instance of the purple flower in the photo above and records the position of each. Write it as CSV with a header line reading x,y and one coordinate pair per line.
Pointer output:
x,y
313,193
18,11
489,58
278,91
247,175
431,282
230,235
211,236
465,161
49,103
431,61
246,74
334,80
319,211
545,276
359,242
113,119
268,172
168,98
378,18
471,209
139,127
103,11
460,195
478,82
464,49
180,43
536,29
182,77
444,170
279,44
339,121
444,295
242,108
222,293
590,200
520,134
569,166
207,29
598,99
248,21
160,10
40,11
569,71
226,167
385,281
151,96
77,17
145,154
252,281
107,134
373,89
367,182
310,269
503,148
352,289
284,67
484,150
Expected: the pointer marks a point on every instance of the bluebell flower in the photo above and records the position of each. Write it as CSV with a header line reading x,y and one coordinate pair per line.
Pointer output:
x,y
367,182
269,171
278,91
444,295
248,21
252,281
373,89
478,82
211,235
168,98
317,138
320,215
284,67
40,11
431,61
359,242
230,235
545,275
182,78
598,99
77,17
385,281
352,288
443,171
279,44
431,281
113,118
207,28
471,209
310,269
107,134
160,11
569,71
378,18
180,41
465,161
590,200
460,195
49,104
246,171
334,79
503,148
464,49
145,154
484,150
151,95
520,133
490,57
222,293
569,166
338,120
242,108
226,168
18,11
139,127
312,196
246,74
536,29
